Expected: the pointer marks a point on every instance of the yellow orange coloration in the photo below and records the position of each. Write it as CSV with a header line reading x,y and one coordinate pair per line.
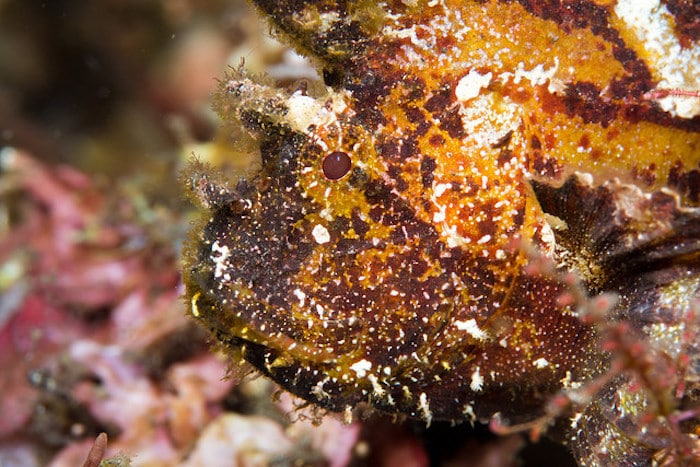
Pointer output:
x,y
487,140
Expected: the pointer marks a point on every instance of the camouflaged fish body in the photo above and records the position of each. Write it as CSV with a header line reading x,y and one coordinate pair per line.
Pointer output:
x,y
379,256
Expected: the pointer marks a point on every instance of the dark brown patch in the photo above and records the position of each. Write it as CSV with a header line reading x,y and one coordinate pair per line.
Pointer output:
x,y
611,134
389,148
359,226
333,77
269,228
542,164
413,88
368,88
401,184
375,192
545,166
395,172
503,140
687,183
427,167
583,99
445,43
436,140
686,14
549,102
653,113
422,128
451,122
414,114
409,148
440,100
488,226
637,82
504,156
585,141
375,214
645,174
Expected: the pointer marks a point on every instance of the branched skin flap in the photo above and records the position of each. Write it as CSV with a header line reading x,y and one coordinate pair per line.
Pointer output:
x,y
384,252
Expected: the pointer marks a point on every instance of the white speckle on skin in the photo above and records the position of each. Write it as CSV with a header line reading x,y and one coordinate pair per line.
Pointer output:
x,y
477,382
541,363
302,110
300,295
326,214
220,255
471,85
376,387
328,20
361,367
484,239
472,329
574,420
321,234
548,239
318,391
440,188
424,407
439,216
537,76
195,309
468,411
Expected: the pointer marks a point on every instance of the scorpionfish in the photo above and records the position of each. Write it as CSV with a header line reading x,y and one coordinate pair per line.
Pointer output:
x,y
489,208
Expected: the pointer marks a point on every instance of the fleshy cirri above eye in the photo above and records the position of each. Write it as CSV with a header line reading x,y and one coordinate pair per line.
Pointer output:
x,y
336,165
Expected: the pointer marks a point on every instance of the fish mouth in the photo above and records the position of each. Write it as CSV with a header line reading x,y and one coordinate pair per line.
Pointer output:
x,y
245,335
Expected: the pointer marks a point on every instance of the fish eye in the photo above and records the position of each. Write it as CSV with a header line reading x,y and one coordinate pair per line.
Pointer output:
x,y
336,165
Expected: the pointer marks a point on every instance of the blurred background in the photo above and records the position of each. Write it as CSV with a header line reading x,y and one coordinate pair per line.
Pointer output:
x,y
101,106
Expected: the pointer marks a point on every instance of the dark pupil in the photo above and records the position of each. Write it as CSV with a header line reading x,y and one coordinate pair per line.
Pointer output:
x,y
335,165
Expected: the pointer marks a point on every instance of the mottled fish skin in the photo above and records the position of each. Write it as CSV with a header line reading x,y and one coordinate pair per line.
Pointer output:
x,y
480,135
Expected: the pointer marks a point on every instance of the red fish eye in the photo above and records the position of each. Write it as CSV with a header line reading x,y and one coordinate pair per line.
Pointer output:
x,y
335,165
